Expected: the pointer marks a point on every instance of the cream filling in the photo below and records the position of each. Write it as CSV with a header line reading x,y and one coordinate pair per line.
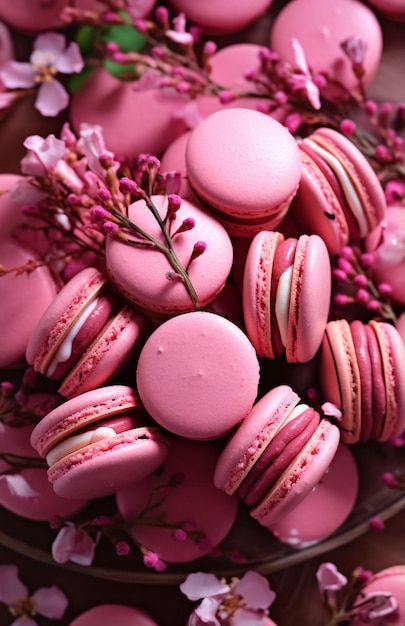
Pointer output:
x,y
76,442
64,352
282,303
347,186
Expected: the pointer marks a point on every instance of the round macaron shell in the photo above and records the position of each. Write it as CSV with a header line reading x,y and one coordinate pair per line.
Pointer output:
x,y
198,375
246,166
222,16
391,9
325,508
388,581
301,476
194,502
248,443
102,467
35,16
112,615
27,296
321,38
151,290
340,380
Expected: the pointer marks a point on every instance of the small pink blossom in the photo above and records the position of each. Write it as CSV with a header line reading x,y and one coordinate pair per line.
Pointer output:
x,y
49,602
74,544
43,154
152,560
25,191
331,410
244,601
94,149
329,578
178,33
355,49
303,79
374,605
18,486
50,56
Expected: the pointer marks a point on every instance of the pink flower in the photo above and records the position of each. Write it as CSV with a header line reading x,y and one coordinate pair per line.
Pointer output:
x,y
50,602
179,34
25,191
49,57
242,602
74,544
331,410
374,605
303,79
43,154
94,149
329,578
355,49
18,486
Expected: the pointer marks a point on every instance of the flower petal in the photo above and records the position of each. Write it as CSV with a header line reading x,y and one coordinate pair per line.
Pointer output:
x,y
202,585
19,486
73,544
255,591
6,45
244,617
17,75
50,602
50,43
24,191
206,611
48,152
24,621
70,61
11,586
52,98
329,578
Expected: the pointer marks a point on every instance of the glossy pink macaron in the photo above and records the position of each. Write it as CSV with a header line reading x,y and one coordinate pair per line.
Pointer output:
x,y
36,16
246,167
24,486
391,9
325,508
192,504
277,456
113,614
198,375
389,582
99,442
286,295
86,335
222,16
24,297
134,120
144,275
340,197
362,371
321,38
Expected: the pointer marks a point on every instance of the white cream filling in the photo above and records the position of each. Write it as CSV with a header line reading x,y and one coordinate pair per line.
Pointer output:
x,y
346,184
76,442
282,303
64,352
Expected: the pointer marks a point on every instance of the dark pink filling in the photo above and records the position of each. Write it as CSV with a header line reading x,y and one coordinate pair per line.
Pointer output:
x,y
360,342
379,400
283,259
281,451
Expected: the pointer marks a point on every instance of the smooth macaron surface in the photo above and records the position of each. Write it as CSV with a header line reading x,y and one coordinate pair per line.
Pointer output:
x,y
246,166
277,455
112,615
286,295
325,508
99,442
389,581
339,197
192,503
36,16
198,375
141,273
362,372
222,16
321,38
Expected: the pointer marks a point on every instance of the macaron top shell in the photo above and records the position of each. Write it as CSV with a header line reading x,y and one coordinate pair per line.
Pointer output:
x,y
222,16
243,163
321,38
140,273
112,615
36,16
198,375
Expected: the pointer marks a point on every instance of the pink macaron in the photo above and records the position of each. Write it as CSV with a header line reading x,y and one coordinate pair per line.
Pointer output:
x,y
391,9
340,197
333,23
286,295
99,442
325,508
24,486
113,614
144,274
222,16
362,371
37,16
388,583
180,498
246,167
277,456
86,335
198,375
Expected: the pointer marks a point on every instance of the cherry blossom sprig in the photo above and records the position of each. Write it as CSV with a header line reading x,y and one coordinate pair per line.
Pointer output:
x,y
354,285
23,607
77,542
345,599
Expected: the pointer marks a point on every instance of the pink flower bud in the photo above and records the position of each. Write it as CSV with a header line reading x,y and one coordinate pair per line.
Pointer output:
x,y
370,107
362,296
360,280
348,127
385,289
128,186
